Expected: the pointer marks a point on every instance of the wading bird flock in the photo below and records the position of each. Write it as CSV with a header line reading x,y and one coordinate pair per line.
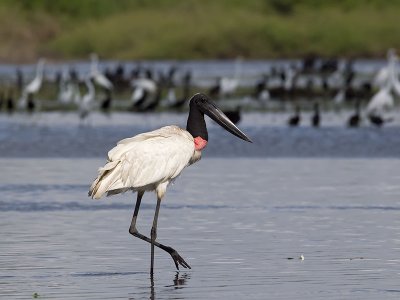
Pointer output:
x,y
314,84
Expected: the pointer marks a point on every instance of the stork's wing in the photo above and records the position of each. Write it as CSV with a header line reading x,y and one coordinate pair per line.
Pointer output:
x,y
145,161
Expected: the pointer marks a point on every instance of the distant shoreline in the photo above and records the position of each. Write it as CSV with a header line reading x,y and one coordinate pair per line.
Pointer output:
x,y
180,30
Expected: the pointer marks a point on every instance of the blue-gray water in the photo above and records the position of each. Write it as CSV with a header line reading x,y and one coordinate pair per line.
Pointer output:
x,y
235,219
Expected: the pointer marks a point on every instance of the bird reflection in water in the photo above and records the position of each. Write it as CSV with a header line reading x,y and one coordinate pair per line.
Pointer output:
x,y
178,282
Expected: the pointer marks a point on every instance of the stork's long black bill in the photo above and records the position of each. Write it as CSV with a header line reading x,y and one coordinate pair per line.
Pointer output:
x,y
211,110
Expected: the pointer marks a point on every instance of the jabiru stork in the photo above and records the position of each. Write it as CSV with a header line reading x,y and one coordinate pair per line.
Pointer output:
x,y
151,161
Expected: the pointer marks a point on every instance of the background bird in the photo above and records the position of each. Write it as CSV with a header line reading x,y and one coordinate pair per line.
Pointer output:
x,y
97,76
294,120
87,102
151,161
31,89
315,118
355,119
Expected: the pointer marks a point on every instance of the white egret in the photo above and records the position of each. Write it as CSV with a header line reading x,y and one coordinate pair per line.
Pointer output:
x,y
66,89
87,102
383,75
226,86
383,99
97,76
33,87
151,161
143,88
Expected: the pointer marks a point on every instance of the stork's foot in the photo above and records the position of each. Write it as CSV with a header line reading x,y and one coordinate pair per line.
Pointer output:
x,y
178,260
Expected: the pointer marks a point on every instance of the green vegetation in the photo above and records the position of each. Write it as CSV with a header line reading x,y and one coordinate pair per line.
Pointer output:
x,y
191,29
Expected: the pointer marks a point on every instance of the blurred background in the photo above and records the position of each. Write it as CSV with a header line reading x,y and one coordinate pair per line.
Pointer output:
x,y
309,209
330,64
160,29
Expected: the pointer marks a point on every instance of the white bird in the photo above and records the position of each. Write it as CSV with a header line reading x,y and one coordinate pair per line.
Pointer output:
x,y
336,79
290,75
97,76
227,86
151,161
340,97
383,99
66,88
383,74
33,87
143,88
394,76
87,102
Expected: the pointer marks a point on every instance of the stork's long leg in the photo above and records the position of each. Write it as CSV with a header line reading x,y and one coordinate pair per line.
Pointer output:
x,y
154,233
178,260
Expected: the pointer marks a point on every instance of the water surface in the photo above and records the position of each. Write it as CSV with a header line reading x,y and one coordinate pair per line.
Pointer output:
x,y
241,224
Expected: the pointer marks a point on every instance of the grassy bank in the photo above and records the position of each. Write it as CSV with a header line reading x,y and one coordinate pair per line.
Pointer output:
x,y
162,29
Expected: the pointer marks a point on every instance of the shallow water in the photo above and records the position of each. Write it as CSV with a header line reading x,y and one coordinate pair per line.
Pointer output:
x,y
63,135
240,217
236,222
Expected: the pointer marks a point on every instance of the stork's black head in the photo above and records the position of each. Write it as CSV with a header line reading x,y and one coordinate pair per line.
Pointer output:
x,y
200,104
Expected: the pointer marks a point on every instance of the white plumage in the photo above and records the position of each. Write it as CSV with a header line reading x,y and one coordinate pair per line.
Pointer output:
x,y
145,162
228,86
97,76
86,104
151,160
381,101
142,87
34,86
383,75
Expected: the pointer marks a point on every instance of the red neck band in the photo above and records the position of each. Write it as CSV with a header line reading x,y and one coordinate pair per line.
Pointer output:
x,y
199,143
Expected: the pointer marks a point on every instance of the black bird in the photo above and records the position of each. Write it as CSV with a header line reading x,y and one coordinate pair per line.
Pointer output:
x,y
355,119
30,105
10,105
261,87
233,115
106,103
315,119
378,120
295,119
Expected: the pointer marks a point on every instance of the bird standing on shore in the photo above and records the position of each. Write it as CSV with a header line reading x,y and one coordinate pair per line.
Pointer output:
x,y
87,102
97,76
27,99
295,119
355,119
151,160
316,118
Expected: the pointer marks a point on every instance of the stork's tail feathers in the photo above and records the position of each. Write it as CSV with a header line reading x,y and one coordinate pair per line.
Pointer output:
x,y
107,179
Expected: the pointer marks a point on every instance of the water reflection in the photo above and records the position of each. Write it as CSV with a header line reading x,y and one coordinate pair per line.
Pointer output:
x,y
178,282
152,292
